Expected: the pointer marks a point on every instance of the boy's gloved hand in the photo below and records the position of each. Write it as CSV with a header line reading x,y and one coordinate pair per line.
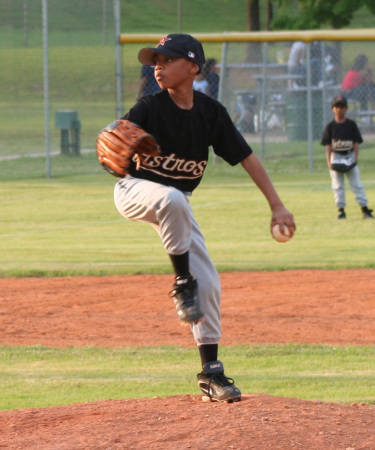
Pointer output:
x,y
119,142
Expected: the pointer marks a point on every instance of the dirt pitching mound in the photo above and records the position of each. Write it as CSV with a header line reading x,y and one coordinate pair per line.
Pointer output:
x,y
313,307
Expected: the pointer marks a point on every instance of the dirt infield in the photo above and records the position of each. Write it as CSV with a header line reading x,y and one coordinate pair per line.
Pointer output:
x,y
313,307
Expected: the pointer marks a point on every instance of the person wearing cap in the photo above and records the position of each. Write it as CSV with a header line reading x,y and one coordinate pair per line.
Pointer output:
x,y
186,124
201,84
148,83
212,77
342,138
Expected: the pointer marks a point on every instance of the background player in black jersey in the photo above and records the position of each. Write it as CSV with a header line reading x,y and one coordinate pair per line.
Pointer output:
x,y
341,138
186,123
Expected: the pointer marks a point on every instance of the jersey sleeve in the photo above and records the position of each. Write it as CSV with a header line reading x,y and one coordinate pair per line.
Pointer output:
x,y
137,114
357,134
327,135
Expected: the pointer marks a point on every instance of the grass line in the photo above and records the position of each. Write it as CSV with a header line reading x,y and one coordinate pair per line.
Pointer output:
x,y
66,227
38,376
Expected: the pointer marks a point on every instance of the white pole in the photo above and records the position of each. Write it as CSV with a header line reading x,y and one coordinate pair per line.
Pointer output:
x,y
117,12
223,72
309,107
46,87
222,79
263,101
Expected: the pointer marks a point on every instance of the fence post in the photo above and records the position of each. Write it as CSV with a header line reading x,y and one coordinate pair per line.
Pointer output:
x,y
325,90
46,87
309,106
223,71
117,14
262,112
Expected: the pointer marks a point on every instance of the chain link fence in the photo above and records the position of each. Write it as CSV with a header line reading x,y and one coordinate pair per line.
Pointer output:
x,y
278,91
269,88
285,93
82,91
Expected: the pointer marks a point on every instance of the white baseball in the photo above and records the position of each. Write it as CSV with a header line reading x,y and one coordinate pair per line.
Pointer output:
x,y
276,233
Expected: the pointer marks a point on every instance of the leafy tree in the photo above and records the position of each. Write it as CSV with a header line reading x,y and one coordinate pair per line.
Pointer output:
x,y
370,5
313,14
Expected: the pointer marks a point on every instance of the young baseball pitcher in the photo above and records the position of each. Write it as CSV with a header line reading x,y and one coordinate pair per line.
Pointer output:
x,y
156,190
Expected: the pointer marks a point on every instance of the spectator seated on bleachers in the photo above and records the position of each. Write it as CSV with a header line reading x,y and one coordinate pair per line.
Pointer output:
x,y
358,83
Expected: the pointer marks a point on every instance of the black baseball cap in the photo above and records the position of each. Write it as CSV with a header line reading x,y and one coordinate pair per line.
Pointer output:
x,y
177,45
339,100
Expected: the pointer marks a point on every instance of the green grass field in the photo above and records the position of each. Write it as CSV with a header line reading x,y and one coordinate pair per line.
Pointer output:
x,y
70,226
38,376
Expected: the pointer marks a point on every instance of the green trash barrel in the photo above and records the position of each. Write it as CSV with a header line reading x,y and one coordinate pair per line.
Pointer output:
x,y
296,115
67,121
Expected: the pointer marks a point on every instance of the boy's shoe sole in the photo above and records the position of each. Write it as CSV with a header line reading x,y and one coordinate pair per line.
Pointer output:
x,y
206,399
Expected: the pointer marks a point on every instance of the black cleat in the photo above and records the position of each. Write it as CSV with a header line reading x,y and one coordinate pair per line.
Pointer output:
x,y
341,214
215,386
367,213
185,293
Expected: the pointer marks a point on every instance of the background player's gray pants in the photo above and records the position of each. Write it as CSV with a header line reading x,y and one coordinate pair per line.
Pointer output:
x,y
338,187
168,210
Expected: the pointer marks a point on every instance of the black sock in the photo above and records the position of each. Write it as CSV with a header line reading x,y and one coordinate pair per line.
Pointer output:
x,y
208,353
180,264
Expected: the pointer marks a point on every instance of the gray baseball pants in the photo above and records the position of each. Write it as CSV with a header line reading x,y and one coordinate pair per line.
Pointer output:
x,y
169,212
338,187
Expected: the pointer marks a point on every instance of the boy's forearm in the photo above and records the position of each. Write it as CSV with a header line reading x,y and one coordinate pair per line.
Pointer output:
x,y
356,151
328,154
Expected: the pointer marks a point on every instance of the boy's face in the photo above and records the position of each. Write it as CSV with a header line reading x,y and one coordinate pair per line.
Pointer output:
x,y
339,111
171,73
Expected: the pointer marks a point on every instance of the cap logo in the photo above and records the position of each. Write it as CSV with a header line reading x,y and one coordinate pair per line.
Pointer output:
x,y
191,55
163,41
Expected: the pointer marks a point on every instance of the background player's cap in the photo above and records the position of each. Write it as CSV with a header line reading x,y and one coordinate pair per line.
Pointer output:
x,y
176,45
339,100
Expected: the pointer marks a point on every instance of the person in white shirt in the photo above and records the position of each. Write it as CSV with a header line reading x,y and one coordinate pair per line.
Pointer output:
x,y
296,63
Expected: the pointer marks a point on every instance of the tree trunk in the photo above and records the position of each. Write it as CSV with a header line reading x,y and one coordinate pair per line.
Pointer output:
x,y
253,51
253,18
269,14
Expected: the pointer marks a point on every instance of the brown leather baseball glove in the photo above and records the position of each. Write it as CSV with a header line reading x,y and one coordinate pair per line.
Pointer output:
x,y
119,142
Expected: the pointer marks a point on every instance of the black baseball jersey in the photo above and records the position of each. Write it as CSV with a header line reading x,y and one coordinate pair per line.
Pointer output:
x,y
185,137
341,136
